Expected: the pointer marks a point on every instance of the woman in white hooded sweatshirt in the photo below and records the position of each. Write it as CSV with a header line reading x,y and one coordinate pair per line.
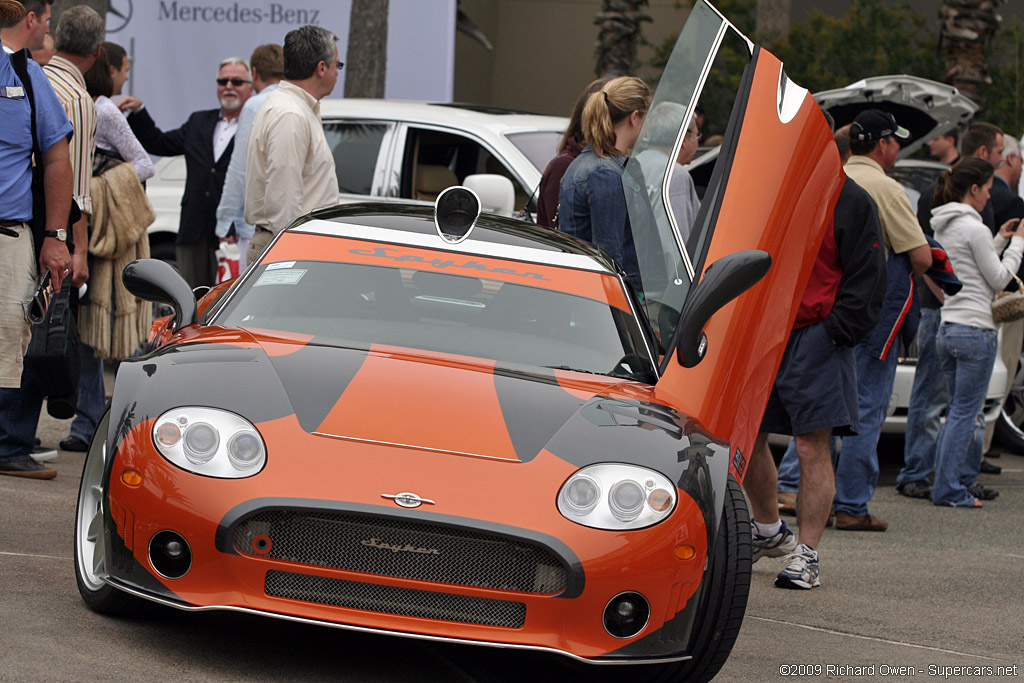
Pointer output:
x,y
966,340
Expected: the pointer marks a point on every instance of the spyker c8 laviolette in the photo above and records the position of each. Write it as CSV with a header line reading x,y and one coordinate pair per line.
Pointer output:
x,y
441,424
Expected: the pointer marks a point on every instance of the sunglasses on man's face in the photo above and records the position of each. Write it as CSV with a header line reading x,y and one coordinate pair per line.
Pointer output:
x,y
237,82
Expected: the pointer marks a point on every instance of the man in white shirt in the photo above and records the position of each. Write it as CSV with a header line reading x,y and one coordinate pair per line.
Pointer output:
x,y
267,64
289,168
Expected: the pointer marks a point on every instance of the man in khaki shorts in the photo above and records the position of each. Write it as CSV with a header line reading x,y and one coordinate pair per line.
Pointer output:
x,y
17,250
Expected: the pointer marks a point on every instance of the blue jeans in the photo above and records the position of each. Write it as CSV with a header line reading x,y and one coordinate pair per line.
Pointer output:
x,y
789,466
857,470
967,355
928,398
19,418
92,397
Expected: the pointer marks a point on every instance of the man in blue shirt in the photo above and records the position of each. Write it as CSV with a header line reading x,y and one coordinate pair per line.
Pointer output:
x,y
267,64
18,264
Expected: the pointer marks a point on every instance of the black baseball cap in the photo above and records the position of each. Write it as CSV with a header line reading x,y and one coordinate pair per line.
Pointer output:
x,y
875,124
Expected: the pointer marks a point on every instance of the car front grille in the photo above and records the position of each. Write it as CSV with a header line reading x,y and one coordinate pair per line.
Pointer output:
x,y
392,600
421,551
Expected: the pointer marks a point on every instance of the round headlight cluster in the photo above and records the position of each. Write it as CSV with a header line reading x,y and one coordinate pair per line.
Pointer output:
x,y
617,496
210,442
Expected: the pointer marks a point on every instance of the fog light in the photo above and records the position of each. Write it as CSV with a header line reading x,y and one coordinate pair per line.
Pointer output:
x,y
626,615
170,554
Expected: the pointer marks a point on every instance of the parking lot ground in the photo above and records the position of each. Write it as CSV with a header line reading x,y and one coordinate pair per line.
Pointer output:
x,y
941,588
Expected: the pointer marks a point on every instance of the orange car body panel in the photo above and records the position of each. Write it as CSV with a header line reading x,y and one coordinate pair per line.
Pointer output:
x,y
787,219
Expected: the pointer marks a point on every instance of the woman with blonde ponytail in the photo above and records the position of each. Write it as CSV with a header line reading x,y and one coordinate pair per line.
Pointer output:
x,y
966,340
592,194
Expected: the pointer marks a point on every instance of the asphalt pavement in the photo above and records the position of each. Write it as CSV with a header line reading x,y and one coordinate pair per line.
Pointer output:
x,y
939,596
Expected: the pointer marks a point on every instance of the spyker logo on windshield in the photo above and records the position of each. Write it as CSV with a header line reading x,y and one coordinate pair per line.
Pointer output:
x,y
406,499
407,548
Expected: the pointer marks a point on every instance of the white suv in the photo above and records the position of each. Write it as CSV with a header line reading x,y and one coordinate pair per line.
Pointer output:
x,y
397,151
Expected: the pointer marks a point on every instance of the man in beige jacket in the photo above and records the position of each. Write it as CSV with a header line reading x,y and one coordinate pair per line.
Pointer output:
x,y
289,168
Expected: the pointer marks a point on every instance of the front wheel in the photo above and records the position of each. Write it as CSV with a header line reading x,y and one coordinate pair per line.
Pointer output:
x,y
90,554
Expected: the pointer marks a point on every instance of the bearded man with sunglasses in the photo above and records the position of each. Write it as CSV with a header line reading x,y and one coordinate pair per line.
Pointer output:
x,y
207,141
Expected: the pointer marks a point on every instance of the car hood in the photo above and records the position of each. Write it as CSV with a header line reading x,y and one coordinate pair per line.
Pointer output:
x,y
925,108
436,402
379,394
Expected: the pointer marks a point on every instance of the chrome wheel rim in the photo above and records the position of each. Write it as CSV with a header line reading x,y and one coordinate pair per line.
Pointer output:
x,y
1013,406
89,548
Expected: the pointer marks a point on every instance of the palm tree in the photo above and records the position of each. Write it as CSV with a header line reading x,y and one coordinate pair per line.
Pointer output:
x,y
967,27
617,38
367,58
773,18
59,6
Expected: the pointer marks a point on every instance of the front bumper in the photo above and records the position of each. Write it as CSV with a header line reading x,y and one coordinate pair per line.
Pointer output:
x,y
542,583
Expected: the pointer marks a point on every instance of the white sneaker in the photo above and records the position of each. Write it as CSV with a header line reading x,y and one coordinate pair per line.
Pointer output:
x,y
782,543
801,571
43,454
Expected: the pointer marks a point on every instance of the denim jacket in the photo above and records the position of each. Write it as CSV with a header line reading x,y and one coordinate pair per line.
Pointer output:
x,y
592,207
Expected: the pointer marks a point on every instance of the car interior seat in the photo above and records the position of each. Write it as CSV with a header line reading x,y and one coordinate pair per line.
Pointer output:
x,y
431,181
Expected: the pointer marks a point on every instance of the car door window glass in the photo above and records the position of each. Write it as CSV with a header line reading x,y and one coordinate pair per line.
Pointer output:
x,y
356,148
705,69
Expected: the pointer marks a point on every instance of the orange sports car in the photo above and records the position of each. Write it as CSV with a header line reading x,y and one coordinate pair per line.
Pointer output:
x,y
439,423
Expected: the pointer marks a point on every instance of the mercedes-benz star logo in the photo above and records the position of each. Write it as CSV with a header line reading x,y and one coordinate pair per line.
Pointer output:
x,y
119,13
406,499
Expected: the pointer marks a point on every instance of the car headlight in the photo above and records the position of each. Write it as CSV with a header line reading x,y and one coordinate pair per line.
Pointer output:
x,y
211,442
616,496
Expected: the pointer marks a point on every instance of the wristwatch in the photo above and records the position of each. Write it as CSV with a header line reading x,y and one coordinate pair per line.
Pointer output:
x,y
60,234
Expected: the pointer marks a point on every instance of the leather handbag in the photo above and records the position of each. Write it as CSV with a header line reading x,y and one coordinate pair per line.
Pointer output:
x,y
1009,306
54,355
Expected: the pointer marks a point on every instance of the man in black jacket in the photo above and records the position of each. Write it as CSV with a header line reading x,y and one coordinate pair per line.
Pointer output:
x,y
815,391
206,140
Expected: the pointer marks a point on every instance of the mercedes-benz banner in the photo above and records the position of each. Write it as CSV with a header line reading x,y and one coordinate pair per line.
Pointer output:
x,y
176,45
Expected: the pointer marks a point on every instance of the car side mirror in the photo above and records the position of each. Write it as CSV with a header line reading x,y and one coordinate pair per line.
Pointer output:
x,y
723,281
158,281
496,192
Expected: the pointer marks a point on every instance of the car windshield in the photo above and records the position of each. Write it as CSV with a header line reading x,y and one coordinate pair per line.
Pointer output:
x,y
418,307
540,147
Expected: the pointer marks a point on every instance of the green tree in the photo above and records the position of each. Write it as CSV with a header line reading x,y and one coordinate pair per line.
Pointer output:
x,y
871,39
1004,94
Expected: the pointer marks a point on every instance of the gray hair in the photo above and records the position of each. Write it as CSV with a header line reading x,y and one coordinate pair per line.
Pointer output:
x,y
235,60
663,124
80,31
1010,146
304,48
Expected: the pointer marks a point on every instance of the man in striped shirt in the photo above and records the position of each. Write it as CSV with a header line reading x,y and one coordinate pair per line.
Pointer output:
x,y
78,38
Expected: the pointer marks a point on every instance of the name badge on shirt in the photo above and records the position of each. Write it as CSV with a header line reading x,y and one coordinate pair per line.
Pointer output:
x,y
14,92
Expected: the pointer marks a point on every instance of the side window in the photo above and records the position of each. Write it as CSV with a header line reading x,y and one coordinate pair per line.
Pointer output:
x,y
435,161
355,147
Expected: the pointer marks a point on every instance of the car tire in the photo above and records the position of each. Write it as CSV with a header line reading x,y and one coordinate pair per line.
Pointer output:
x,y
1009,427
90,561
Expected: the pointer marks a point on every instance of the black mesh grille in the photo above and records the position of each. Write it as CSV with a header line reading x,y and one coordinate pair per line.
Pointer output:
x,y
406,549
392,600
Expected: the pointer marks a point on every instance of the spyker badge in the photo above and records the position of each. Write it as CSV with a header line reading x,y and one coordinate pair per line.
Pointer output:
x,y
406,499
